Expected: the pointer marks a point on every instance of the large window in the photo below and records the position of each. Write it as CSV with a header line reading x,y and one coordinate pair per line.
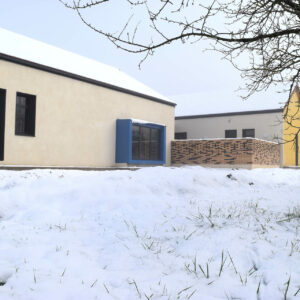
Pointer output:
x,y
25,114
145,143
230,133
140,142
248,133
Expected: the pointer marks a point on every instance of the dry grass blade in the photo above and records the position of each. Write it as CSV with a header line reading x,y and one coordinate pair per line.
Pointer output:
x,y
287,288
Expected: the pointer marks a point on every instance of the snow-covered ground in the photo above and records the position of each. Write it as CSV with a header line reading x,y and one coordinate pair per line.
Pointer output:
x,y
155,233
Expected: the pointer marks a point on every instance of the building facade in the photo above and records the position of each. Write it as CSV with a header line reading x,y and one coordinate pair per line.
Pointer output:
x,y
265,124
57,117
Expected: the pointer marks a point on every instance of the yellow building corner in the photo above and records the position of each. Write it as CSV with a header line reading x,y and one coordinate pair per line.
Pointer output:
x,y
291,125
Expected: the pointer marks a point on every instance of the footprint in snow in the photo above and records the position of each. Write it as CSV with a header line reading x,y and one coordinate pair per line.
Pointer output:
x,y
4,276
229,176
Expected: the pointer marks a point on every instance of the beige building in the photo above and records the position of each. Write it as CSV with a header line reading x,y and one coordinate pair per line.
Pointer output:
x,y
58,109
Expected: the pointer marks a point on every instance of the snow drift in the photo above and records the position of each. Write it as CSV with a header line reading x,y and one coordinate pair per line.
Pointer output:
x,y
155,233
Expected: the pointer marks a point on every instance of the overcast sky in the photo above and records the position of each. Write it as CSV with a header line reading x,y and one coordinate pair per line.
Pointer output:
x,y
173,70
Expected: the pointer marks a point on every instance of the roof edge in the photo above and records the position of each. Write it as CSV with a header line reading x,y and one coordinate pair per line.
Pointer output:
x,y
296,90
48,69
249,112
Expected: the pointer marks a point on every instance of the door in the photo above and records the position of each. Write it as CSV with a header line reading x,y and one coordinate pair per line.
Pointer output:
x,y
2,122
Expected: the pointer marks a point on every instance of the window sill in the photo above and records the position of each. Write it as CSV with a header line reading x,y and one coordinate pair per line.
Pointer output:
x,y
146,162
27,135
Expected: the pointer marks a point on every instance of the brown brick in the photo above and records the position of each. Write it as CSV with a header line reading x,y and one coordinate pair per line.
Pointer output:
x,y
225,151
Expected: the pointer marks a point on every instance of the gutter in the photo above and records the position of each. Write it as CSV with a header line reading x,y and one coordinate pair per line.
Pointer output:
x,y
249,112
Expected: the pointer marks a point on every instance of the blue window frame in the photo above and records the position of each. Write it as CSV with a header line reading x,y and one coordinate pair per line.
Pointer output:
x,y
140,143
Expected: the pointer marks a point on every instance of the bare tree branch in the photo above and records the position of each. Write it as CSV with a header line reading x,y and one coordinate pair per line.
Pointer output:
x,y
261,38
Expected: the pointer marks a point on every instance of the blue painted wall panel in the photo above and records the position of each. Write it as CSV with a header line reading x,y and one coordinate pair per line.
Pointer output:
x,y
122,141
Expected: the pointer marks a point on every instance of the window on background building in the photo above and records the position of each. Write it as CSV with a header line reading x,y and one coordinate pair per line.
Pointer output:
x,y
25,114
249,133
180,135
230,133
146,143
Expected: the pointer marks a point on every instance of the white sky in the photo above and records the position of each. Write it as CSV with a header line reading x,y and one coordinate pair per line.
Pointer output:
x,y
173,70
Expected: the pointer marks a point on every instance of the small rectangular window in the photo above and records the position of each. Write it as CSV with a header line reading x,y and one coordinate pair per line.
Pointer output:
x,y
232,133
146,143
249,133
25,114
180,135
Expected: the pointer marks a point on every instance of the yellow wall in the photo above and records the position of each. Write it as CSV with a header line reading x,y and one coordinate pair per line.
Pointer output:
x,y
75,121
291,122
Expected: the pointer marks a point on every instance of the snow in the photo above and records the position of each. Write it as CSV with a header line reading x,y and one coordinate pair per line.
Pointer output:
x,y
144,234
226,139
20,46
224,101
138,121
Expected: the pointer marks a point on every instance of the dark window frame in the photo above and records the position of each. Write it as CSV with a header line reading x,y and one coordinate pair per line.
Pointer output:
x,y
2,122
25,117
246,133
228,133
148,147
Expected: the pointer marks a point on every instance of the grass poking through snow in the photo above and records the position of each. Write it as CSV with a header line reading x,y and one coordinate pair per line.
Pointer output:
x,y
157,233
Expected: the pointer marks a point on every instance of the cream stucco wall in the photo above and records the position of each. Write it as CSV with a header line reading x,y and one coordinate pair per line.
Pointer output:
x,y
75,121
267,126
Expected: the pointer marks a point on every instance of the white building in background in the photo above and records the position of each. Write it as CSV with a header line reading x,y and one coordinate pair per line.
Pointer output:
x,y
224,117
264,124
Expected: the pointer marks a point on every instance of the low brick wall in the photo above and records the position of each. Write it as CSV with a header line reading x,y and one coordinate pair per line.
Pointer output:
x,y
243,152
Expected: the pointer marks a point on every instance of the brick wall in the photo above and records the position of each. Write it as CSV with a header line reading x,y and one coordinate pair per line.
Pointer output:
x,y
265,153
225,152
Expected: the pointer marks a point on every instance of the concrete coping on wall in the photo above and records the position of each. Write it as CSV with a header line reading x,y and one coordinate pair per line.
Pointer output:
x,y
226,139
